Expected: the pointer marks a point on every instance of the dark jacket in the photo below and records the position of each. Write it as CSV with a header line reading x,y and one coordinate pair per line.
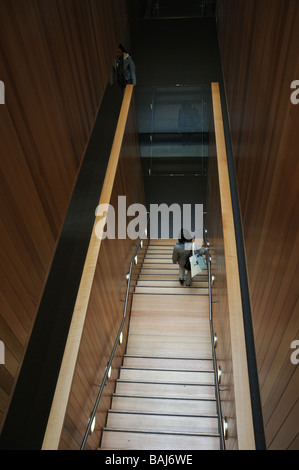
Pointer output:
x,y
128,73
182,251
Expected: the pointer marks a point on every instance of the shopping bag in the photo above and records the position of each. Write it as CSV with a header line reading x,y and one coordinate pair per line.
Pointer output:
x,y
201,262
197,263
195,266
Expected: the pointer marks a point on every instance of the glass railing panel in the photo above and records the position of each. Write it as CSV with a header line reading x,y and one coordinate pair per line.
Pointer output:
x,y
173,125
182,9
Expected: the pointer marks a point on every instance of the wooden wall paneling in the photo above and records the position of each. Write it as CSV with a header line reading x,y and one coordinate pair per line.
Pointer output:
x,y
55,72
283,373
281,302
285,332
265,143
39,103
282,427
108,38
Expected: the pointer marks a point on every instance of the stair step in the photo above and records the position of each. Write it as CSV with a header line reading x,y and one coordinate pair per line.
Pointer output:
x,y
170,326
148,305
163,265
175,390
162,327
163,404
149,276
182,290
168,271
118,439
158,250
165,268
168,363
157,254
146,421
163,241
169,376
170,283
158,260
172,346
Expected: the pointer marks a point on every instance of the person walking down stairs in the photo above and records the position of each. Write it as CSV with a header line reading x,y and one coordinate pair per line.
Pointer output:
x,y
181,252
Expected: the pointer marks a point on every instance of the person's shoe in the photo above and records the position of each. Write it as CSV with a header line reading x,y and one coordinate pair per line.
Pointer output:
x,y
188,285
181,281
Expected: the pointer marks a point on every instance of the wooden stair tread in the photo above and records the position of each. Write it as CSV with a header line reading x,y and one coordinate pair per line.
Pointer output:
x,y
164,375
163,264
184,405
169,363
172,290
165,389
158,422
163,369
168,277
169,283
148,303
174,273
164,413
177,433
152,398
112,439
138,345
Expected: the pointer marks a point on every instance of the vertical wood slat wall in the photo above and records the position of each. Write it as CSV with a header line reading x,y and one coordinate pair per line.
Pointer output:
x,y
55,59
259,49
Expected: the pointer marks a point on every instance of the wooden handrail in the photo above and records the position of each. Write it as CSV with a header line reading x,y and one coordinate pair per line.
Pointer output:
x,y
244,421
63,387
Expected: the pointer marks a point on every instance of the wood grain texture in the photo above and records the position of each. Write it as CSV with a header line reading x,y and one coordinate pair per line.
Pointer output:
x,y
227,306
100,305
259,49
221,321
55,59
166,385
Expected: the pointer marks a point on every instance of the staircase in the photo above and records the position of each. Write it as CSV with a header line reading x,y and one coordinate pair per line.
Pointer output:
x,y
165,395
